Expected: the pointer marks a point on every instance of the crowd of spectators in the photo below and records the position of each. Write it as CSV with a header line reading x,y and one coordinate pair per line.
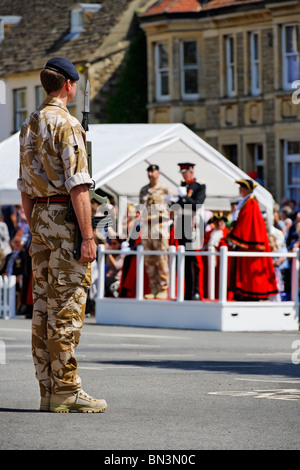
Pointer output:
x,y
14,255
15,259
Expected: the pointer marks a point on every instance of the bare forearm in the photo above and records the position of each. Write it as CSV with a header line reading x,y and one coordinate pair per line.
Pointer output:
x,y
27,204
81,203
82,207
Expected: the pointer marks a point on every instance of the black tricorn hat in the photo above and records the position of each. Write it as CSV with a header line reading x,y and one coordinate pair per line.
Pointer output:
x,y
248,184
218,216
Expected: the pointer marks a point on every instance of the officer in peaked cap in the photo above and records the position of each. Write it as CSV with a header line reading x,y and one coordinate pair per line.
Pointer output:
x,y
184,167
191,197
64,67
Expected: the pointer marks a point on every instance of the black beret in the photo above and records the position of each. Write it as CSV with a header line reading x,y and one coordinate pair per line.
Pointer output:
x,y
153,167
64,67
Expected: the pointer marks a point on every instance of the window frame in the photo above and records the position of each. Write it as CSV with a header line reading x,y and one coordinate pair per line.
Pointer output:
x,y
287,85
290,158
1,30
254,64
230,67
184,68
75,25
161,70
257,161
20,113
40,95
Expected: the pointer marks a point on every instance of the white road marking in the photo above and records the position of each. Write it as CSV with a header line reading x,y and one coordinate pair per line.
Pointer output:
x,y
108,367
288,394
129,335
292,381
119,345
166,355
269,354
120,335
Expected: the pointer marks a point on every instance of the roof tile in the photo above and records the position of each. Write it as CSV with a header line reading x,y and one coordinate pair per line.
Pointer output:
x,y
192,6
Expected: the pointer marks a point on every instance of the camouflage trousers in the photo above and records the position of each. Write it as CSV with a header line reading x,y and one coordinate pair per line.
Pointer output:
x,y
60,286
157,266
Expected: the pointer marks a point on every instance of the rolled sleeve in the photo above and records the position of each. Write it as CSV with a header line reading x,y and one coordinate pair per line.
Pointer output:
x,y
77,179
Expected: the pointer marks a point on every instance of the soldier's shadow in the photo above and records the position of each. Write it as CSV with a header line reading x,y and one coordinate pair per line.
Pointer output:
x,y
18,410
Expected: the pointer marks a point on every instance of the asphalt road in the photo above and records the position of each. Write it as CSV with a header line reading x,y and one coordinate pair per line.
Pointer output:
x,y
167,390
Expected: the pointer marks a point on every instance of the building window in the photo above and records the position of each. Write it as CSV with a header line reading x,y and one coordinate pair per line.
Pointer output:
x,y
290,60
256,153
292,170
189,69
1,30
20,108
254,57
231,152
77,21
162,71
40,95
230,65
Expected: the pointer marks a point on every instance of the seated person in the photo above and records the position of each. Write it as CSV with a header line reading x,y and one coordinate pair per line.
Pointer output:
x,y
114,265
16,264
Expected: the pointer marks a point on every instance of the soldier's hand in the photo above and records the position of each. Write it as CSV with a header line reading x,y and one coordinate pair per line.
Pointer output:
x,y
88,251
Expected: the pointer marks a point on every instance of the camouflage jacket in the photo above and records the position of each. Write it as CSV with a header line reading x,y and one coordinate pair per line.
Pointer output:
x,y
53,157
155,200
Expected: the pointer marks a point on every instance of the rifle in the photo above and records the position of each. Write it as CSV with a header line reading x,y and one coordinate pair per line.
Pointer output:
x,y
97,221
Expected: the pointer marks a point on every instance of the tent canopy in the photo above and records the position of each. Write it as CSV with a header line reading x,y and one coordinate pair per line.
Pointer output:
x,y
121,154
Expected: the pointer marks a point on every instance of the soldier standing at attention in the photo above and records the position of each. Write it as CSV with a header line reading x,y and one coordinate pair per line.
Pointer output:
x,y
53,169
155,233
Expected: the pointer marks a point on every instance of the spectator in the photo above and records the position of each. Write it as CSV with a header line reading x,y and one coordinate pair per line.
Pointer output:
x,y
114,265
128,219
278,222
16,264
277,262
215,238
5,246
10,218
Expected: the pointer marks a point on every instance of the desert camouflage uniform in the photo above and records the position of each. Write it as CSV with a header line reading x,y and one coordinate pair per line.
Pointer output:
x,y
53,160
155,234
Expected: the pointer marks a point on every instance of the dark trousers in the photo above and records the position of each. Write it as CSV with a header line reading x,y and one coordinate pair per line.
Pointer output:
x,y
191,273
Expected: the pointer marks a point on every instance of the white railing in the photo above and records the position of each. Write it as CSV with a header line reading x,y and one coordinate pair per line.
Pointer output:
x,y
7,297
180,254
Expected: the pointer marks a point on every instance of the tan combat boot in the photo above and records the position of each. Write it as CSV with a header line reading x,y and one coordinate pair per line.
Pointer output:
x,y
45,403
149,296
78,401
162,295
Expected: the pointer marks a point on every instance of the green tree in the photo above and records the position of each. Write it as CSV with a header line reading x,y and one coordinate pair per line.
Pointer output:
x,y
128,103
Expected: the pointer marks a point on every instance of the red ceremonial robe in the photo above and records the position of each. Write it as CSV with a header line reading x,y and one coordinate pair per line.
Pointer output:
x,y
254,278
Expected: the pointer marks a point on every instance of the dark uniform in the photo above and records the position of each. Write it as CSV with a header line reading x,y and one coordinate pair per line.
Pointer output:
x,y
188,229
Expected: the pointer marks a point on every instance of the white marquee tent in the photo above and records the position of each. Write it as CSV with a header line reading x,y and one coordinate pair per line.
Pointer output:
x,y
122,153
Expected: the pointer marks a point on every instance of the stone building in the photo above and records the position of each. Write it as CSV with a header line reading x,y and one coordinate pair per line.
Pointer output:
x,y
94,36
230,70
